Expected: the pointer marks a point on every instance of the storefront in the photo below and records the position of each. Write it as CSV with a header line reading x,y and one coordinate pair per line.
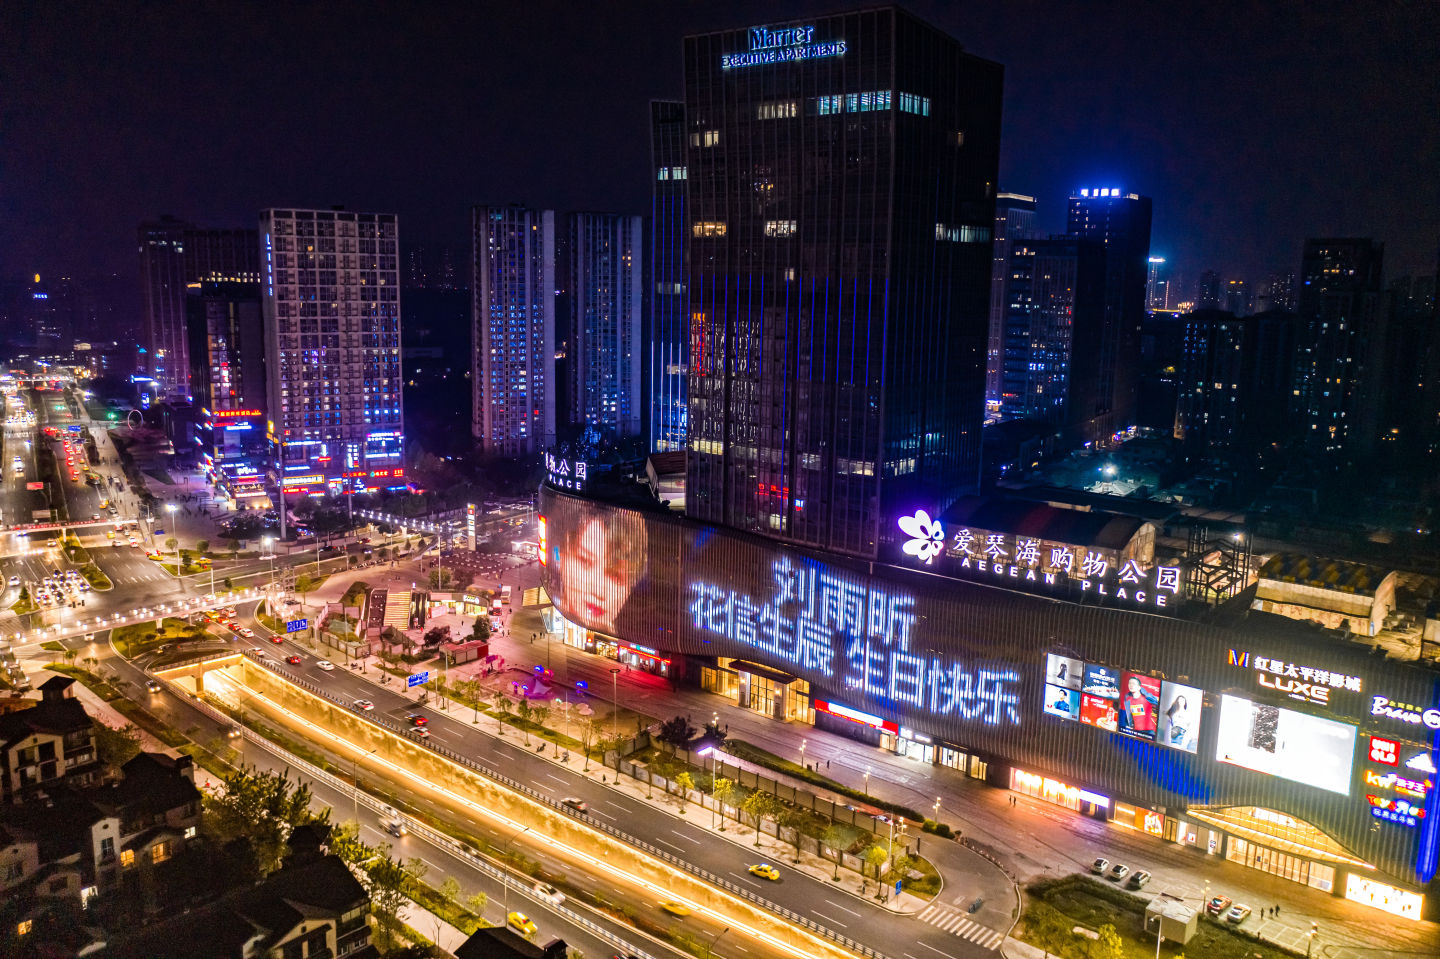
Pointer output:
x,y
766,691
1061,794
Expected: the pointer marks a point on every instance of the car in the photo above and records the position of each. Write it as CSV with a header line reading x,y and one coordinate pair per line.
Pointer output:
x,y
675,908
230,611
246,631
325,664
95,517
14,580
1138,879
579,805
416,719
765,871
152,685
549,893
1218,904
293,660
1238,914
364,704
274,638
1099,866
1118,872
419,732
233,732
521,922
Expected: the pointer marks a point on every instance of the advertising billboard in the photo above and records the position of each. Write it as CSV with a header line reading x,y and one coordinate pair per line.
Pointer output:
x,y
1139,706
1062,702
1282,742
1064,671
1179,720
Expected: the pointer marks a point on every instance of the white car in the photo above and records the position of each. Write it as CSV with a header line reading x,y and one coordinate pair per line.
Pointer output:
x,y
14,580
325,664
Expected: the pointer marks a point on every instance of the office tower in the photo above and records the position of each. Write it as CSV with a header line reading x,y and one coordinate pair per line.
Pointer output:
x,y
1279,294
1207,292
447,268
225,331
174,254
606,349
331,297
415,277
1237,298
1122,222
1340,346
1235,376
1156,289
1014,220
841,201
669,334
1053,332
513,311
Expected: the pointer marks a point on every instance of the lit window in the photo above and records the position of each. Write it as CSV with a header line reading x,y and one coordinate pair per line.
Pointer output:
x,y
127,857
780,227
707,228
23,929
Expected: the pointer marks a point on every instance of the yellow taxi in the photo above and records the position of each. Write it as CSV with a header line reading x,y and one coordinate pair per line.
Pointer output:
x,y
521,922
675,908
765,871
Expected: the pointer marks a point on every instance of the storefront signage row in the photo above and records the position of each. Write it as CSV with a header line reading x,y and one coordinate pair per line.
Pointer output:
x,y
1027,563
1307,684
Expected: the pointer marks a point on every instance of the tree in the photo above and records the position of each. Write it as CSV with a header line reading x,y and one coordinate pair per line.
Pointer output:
x,y
760,806
502,706
171,542
676,732
901,865
481,629
794,818
835,837
437,635
233,545
304,583
262,808
1109,945
345,842
714,734
185,558
875,856
686,782
1047,928
721,789
477,903
116,747
540,714
450,889
590,728
227,583
202,547
387,882
441,579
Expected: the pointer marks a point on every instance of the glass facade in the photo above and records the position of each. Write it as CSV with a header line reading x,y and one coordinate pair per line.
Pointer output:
x,y
669,340
605,355
840,208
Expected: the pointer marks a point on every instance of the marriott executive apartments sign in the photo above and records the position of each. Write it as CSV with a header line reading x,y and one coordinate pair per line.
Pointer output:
x,y
782,45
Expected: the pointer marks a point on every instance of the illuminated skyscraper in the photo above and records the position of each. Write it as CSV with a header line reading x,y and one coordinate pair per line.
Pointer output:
x,y
1207,292
1014,220
513,309
606,350
174,254
1121,221
669,339
1157,285
331,298
841,200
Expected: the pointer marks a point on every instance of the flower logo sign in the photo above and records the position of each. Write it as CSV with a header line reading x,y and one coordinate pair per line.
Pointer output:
x,y
927,536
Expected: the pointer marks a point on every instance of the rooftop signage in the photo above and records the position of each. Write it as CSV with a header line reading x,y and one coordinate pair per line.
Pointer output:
x,y
1022,562
1305,684
1405,713
782,45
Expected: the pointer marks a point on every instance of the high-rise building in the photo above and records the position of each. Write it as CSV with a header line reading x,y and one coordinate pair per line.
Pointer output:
x,y
606,307
513,379
226,345
1053,329
174,254
331,298
1237,298
1279,294
1207,291
841,200
1340,346
1234,381
1122,222
1014,220
1157,288
669,334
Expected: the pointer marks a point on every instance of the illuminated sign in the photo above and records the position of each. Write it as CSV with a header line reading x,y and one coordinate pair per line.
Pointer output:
x,y
1281,742
1399,811
1303,683
565,474
1406,787
292,481
1421,762
238,426
1027,563
811,606
855,716
1384,751
1405,713
544,539
782,45
233,414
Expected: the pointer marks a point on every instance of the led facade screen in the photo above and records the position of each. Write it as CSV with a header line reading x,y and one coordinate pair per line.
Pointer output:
x,y
1179,720
1062,702
1282,742
1064,671
1101,712
1101,681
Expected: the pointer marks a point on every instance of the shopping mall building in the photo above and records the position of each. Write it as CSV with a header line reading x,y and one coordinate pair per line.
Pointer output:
x,y
1056,658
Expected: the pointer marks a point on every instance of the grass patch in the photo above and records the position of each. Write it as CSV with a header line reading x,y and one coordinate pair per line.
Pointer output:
x,y
97,685
137,638
52,646
95,576
1080,900
24,608
428,897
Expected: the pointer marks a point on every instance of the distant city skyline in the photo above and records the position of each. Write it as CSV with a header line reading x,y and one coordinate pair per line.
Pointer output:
x,y
1243,159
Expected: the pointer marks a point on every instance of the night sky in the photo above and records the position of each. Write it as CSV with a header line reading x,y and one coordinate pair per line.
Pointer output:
x,y
1251,130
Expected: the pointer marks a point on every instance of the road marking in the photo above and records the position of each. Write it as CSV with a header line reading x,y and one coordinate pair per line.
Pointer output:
x,y
933,949
563,782
670,844
624,809
596,812
839,923
738,876
685,837
843,909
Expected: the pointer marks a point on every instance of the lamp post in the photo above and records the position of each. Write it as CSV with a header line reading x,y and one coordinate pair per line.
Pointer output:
x,y
505,851
867,782
715,802
614,699
710,946
937,810
1310,938
170,508
355,775
268,544
802,753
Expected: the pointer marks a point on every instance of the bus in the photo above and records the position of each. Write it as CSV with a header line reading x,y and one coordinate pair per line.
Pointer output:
x,y
505,595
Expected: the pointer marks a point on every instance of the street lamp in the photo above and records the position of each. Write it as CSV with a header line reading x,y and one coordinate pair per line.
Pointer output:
x,y
355,787
710,751
709,946
867,782
1310,938
170,508
614,699
937,810
802,752
504,852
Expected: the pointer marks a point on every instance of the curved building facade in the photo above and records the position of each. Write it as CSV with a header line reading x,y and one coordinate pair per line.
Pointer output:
x,y
1269,743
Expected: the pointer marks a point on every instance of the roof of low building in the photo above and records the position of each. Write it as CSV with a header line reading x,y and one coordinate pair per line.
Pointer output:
x,y
53,715
1322,573
1022,518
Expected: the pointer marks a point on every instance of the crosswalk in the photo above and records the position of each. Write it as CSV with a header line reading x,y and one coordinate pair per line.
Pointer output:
x,y
957,923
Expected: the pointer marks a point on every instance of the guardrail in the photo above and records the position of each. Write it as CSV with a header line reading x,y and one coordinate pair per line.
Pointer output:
x,y
559,807
433,836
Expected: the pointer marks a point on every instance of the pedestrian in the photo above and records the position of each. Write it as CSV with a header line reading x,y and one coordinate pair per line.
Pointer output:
x,y
1277,910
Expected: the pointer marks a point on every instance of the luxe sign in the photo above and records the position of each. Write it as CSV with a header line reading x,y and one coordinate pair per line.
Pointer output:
x,y
1306,684
782,45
